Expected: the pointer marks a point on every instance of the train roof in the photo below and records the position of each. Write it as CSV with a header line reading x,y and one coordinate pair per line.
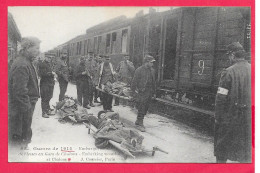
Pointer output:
x,y
118,22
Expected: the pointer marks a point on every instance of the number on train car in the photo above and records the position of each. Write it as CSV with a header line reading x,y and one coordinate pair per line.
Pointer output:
x,y
201,66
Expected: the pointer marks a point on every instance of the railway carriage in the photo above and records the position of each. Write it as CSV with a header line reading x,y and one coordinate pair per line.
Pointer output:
x,y
188,43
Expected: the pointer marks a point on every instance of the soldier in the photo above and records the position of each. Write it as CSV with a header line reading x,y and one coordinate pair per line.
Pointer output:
x,y
46,86
92,67
232,139
24,92
62,70
143,85
82,82
106,74
126,71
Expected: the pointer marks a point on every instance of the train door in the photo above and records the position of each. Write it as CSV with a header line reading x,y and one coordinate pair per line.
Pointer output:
x,y
170,41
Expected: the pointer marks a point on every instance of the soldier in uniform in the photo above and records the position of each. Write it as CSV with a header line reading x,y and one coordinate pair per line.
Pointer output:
x,y
232,139
46,86
143,87
62,70
82,82
24,92
98,60
92,67
125,71
106,74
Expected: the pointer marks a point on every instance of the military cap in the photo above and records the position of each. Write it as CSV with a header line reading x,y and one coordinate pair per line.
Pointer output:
x,y
148,58
234,47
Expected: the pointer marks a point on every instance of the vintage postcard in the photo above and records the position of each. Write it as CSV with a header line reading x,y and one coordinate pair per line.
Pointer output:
x,y
131,84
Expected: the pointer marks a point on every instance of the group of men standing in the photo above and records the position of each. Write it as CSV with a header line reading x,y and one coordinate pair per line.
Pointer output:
x,y
232,139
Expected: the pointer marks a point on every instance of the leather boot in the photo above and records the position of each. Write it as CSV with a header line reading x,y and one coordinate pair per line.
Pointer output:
x,y
140,125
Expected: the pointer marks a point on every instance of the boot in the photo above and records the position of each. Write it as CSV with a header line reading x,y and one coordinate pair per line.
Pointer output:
x,y
50,113
45,115
88,107
140,125
91,104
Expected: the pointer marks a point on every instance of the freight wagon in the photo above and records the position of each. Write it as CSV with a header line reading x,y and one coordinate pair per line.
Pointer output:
x,y
188,43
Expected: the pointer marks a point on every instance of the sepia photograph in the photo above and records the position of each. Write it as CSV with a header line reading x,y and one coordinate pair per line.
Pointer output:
x,y
147,84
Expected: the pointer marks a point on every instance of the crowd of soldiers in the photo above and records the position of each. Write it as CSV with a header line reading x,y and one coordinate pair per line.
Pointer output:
x,y
233,98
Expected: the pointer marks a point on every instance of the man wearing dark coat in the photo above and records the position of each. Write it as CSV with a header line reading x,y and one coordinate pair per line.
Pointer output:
x,y
23,92
62,70
143,87
125,70
46,86
232,139
82,83
106,74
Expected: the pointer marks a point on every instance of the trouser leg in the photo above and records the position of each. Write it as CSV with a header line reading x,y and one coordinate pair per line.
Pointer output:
x,y
90,91
79,92
104,101
44,90
63,89
85,90
27,122
116,101
95,94
142,108
107,101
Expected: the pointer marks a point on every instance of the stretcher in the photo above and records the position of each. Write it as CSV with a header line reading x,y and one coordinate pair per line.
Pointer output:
x,y
125,151
115,95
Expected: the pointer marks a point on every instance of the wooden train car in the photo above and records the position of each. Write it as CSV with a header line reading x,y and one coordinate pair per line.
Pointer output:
x,y
193,52
188,43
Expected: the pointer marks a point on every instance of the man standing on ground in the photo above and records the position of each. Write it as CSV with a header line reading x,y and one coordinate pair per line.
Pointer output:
x,y
82,82
126,71
46,86
143,86
98,60
91,65
232,139
62,71
106,74
24,92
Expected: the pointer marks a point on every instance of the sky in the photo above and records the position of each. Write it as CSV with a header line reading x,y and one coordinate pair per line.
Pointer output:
x,y
57,25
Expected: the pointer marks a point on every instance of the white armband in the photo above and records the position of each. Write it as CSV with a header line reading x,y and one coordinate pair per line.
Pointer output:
x,y
222,91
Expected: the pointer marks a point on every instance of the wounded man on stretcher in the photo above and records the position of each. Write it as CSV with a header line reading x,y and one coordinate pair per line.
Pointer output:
x,y
109,128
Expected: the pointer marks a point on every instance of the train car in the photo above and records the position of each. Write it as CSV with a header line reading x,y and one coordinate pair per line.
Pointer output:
x,y
188,43
193,53
14,38
76,49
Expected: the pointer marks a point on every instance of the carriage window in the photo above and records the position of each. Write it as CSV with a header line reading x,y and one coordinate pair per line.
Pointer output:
x,y
124,40
113,44
99,43
108,43
95,45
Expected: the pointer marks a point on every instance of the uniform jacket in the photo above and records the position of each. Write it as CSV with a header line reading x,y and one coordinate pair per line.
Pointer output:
x,y
62,70
23,85
92,67
45,72
233,113
140,83
79,70
126,71
106,73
